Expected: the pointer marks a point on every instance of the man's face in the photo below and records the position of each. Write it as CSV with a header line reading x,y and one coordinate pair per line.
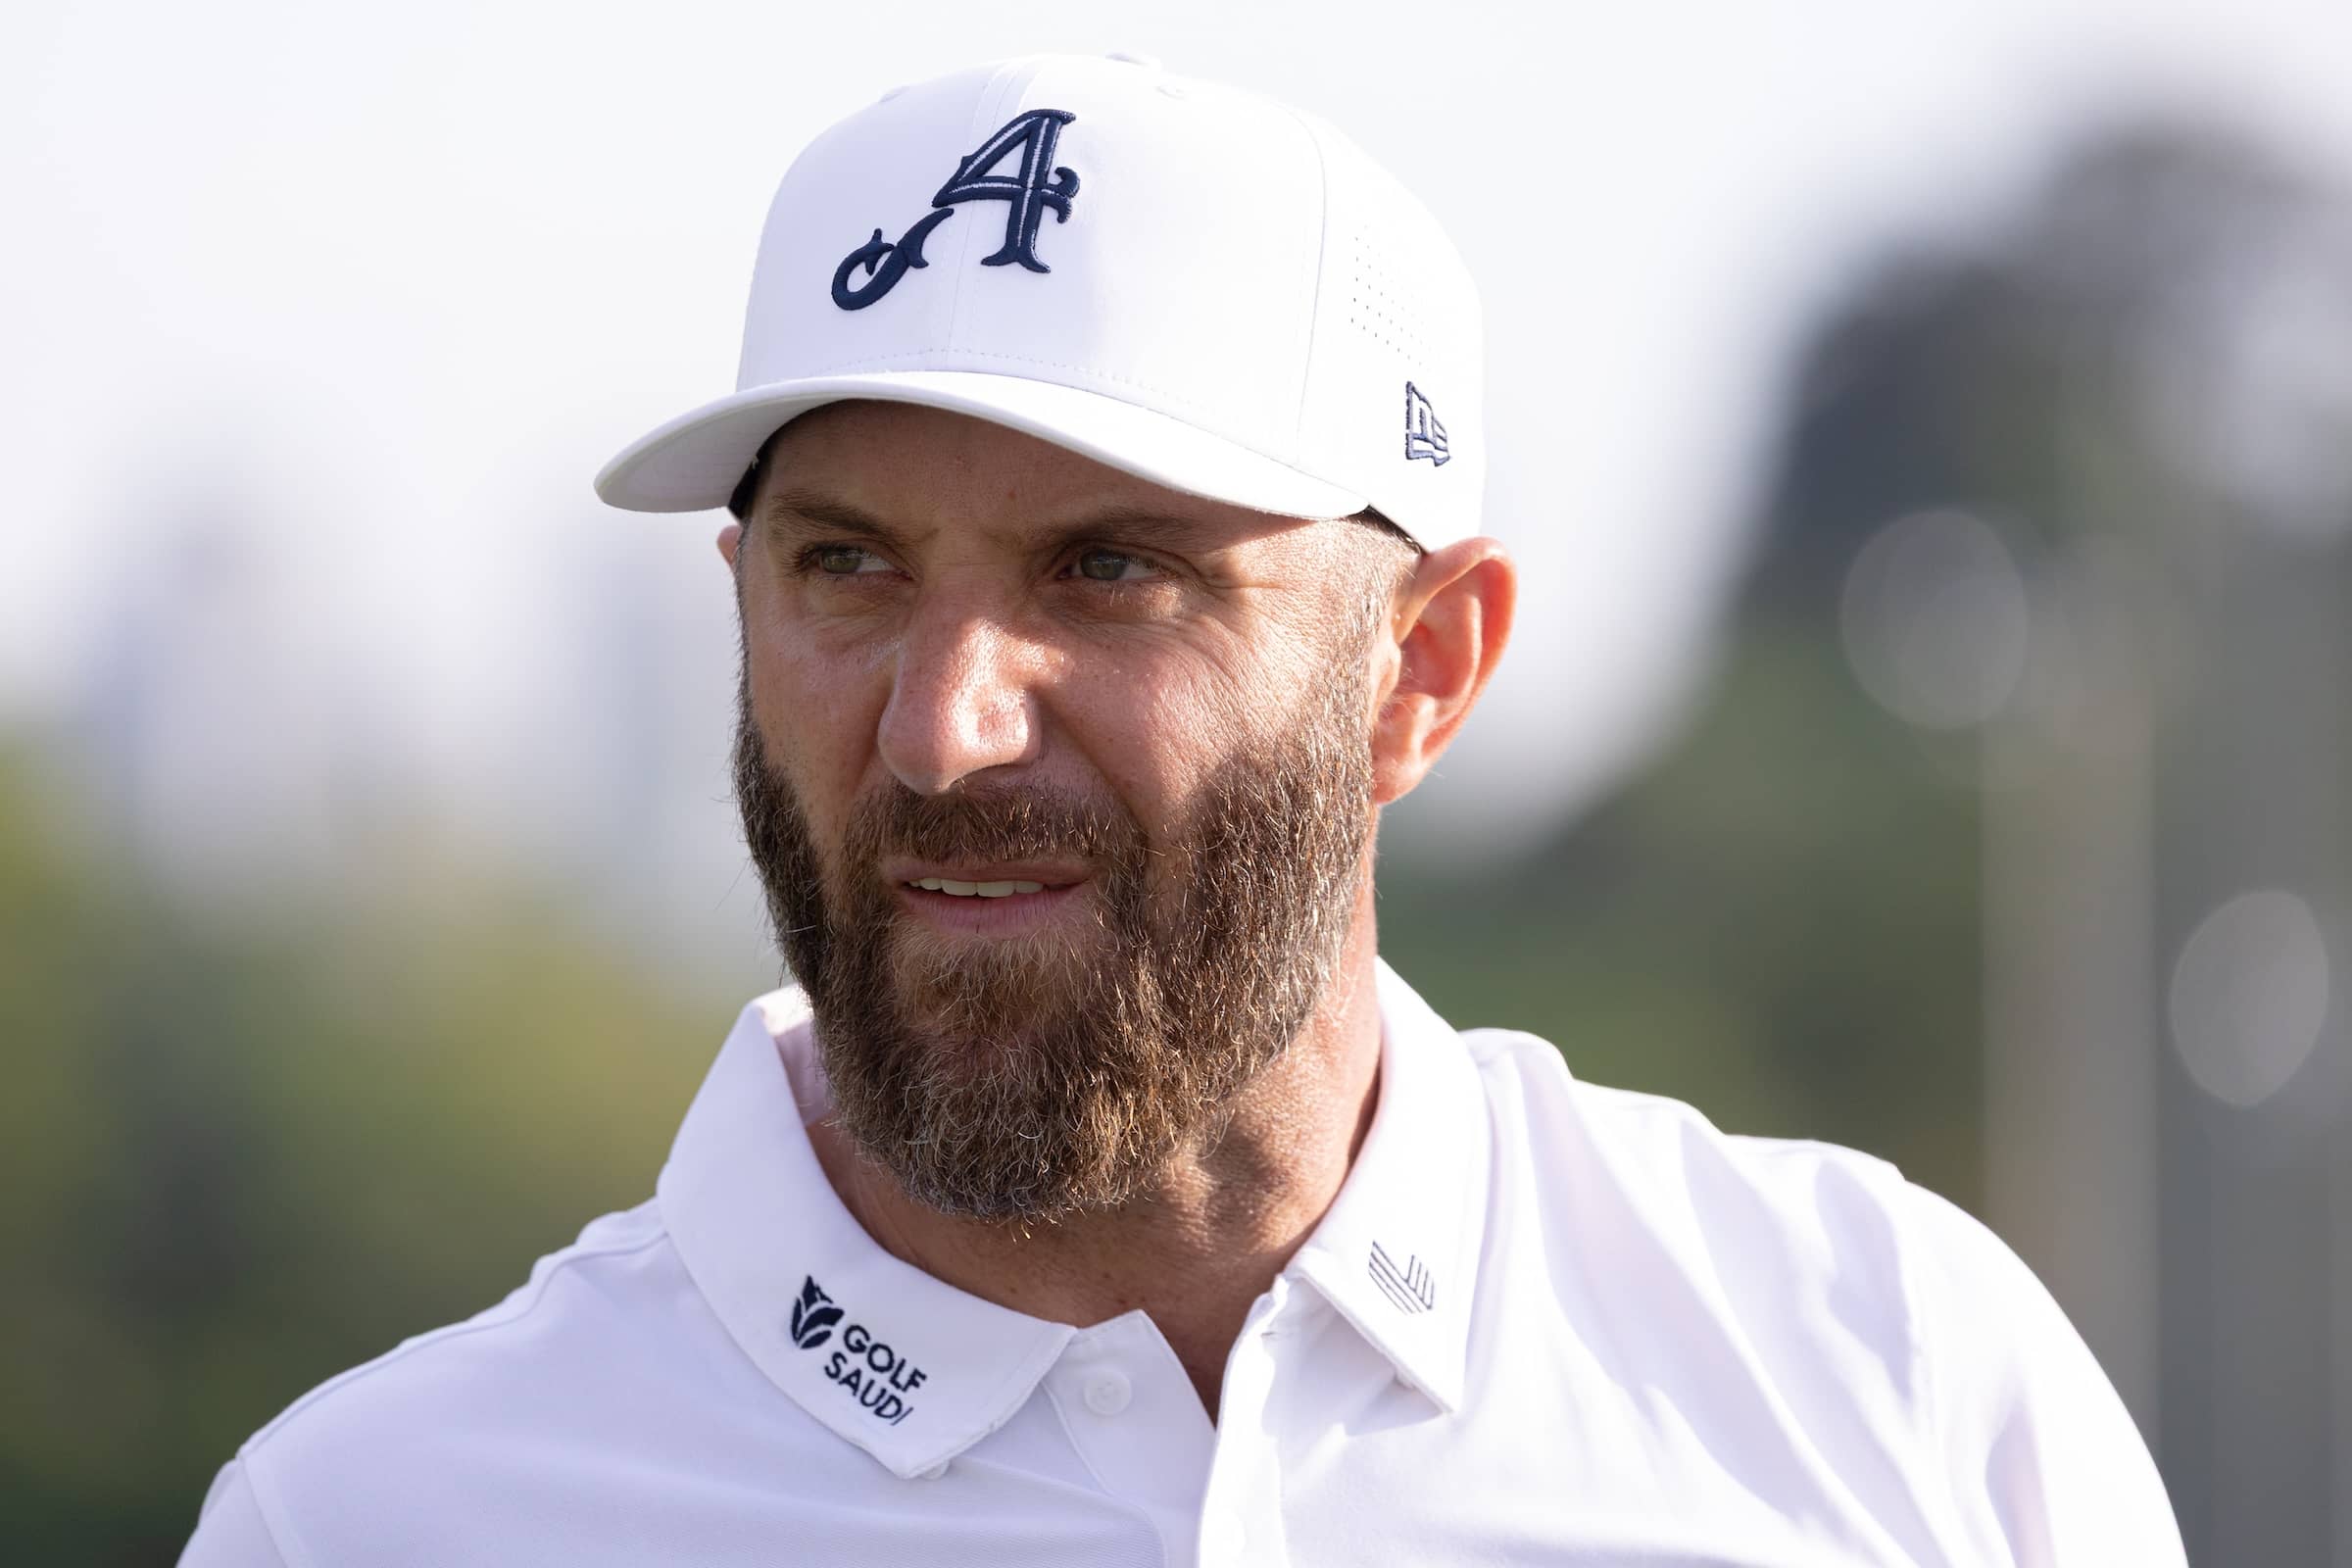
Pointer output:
x,y
1060,786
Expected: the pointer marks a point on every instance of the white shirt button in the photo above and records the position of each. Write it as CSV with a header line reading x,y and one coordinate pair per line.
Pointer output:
x,y
1107,1392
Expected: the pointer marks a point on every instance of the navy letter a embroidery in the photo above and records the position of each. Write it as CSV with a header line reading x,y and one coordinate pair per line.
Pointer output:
x,y
1028,195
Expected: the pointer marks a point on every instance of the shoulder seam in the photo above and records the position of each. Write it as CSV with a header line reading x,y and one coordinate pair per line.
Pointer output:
x,y
274,1524
1773,1148
1923,1365
1487,1042
492,1318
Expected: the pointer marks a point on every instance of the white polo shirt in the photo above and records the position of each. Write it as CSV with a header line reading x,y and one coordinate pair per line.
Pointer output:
x,y
1543,1322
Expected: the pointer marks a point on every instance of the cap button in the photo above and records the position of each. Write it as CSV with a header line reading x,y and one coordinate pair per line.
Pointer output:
x,y
1130,58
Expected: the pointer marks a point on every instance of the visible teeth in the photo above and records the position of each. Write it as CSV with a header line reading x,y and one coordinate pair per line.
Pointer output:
x,y
982,890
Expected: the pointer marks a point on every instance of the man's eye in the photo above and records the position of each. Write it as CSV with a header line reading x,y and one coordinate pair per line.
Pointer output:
x,y
844,561
1108,565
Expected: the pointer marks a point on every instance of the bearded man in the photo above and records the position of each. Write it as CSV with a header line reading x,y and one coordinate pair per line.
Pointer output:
x,y
1107,553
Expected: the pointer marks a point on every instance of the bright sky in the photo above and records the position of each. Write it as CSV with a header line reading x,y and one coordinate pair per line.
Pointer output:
x,y
400,277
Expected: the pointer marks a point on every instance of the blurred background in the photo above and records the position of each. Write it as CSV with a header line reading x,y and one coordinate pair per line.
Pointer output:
x,y
1926,431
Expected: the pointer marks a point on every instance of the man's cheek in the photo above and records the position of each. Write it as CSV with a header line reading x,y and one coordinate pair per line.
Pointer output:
x,y
805,752
822,704
1182,737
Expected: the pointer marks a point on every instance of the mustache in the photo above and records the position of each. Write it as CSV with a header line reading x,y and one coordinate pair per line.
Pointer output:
x,y
992,822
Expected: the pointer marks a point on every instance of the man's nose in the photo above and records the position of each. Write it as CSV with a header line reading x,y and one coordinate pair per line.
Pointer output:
x,y
960,701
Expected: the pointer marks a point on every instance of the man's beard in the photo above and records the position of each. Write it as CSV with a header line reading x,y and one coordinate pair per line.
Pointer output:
x,y
1036,1077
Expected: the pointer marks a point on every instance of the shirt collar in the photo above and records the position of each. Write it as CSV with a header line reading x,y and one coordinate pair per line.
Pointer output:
x,y
915,1371
1397,1253
909,1368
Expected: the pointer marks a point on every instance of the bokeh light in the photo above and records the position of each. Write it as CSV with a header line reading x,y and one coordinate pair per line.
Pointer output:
x,y
1934,620
2249,995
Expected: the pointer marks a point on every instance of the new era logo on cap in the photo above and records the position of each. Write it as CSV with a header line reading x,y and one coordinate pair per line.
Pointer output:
x,y
1424,436
1227,309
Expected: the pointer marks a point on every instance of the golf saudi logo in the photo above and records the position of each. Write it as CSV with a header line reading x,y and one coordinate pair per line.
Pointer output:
x,y
865,1368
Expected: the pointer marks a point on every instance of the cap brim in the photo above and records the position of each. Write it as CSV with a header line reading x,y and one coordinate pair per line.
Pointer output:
x,y
695,460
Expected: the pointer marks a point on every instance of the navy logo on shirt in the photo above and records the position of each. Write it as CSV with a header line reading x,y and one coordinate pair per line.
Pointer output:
x,y
1410,1288
812,1316
864,1367
1039,186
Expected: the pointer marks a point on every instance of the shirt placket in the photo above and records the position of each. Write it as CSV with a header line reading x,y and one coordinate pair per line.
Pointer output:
x,y
1136,1421
1241,1516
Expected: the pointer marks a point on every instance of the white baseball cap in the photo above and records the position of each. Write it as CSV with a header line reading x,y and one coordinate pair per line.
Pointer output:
x,y
1190,283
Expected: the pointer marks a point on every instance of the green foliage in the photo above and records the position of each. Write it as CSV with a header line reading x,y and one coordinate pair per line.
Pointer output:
x,y
236,1164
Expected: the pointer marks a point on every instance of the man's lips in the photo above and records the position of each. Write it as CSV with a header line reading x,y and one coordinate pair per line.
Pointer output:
x,y
994,898
992,879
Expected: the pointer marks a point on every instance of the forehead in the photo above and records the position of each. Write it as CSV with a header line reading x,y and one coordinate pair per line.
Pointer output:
x,y
922,467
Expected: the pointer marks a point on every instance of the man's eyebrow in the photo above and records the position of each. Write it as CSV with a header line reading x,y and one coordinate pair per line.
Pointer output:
x,y
1143,526
806,511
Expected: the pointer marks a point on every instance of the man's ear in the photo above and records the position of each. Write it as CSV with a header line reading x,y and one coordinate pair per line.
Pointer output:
x,y
730,540
1451,622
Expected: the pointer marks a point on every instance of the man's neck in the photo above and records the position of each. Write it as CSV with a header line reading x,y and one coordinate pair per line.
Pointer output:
x,y
1208,1238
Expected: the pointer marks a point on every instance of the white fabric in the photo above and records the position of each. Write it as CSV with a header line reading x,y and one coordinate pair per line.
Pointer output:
x,y
1234,304
1596,1331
